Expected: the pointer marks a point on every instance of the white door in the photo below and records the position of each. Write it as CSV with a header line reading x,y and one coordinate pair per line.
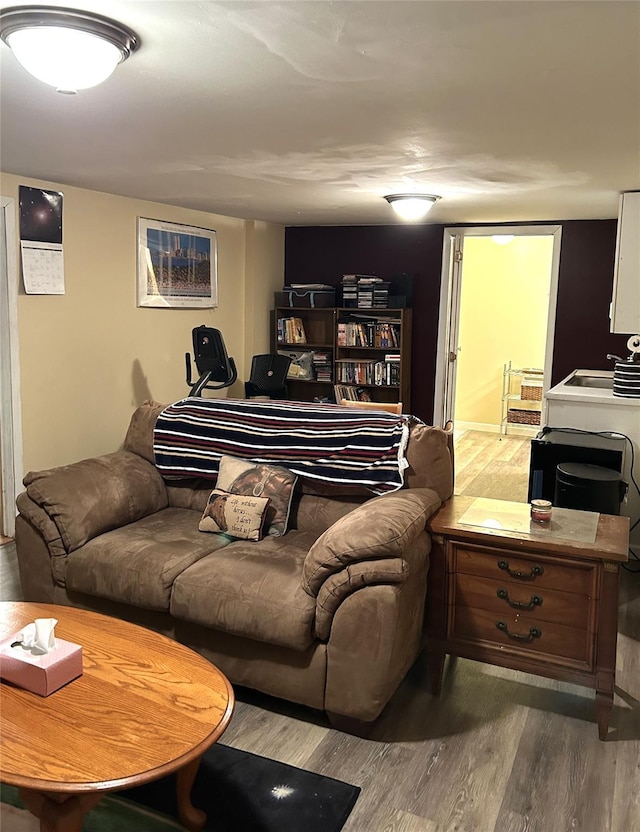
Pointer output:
x,y
10,418
452,326
449,315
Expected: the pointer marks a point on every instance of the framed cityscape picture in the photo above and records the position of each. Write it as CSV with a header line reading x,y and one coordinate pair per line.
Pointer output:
x,y
177,265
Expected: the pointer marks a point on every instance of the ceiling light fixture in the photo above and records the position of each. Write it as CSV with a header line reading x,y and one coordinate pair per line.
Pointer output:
x,y
68,49
412,206
502,239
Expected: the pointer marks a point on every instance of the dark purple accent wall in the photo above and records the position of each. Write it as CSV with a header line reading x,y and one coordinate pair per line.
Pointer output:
x,y
585,284
582,339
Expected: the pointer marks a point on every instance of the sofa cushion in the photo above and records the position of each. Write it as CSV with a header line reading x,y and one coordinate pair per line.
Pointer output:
x,y
237,515
430,464
257,479
138,563
191,494
316,514
95,495
380,528
252,590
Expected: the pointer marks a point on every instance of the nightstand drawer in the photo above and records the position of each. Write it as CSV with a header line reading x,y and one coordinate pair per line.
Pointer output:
x,y
522,633
567,575
513,598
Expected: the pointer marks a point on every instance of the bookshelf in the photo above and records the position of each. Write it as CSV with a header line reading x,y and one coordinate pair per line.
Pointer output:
x,y
373,354
358,353
307,332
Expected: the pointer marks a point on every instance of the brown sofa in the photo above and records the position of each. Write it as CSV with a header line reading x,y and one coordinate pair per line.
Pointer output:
x,y
330,615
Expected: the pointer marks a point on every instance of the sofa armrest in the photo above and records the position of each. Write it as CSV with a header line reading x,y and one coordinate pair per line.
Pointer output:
x,y
375,636
44,525
90,497
383,527
340,585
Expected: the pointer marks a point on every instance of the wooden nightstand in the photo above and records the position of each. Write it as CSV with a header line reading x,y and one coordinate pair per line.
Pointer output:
x,y
542,599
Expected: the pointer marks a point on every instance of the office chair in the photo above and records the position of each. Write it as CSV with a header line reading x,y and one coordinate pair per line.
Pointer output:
x,y
389,407
268,376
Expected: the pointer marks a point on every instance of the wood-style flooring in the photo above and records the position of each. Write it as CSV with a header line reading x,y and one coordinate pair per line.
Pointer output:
x,y
498,751
488,465
10,589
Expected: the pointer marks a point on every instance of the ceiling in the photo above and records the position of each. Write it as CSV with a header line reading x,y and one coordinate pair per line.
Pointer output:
x,y
308,113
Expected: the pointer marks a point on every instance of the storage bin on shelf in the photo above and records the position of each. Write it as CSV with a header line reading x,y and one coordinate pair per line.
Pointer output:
x,y
531,392
306,298
516,416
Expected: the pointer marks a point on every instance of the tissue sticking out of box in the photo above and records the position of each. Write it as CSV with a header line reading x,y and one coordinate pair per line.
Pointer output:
x,y
35,660
37,637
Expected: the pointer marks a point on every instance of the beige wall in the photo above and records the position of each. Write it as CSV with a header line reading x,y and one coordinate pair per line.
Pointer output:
x,y
90,356
503,317
264,274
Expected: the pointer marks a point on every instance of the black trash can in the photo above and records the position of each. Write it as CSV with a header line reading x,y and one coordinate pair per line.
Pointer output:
x,y
588,488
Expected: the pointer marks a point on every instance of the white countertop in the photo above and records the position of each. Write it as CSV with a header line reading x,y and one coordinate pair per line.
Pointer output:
x,y
599,395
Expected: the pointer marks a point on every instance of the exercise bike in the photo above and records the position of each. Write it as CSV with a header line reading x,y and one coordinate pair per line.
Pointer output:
x,y
212,361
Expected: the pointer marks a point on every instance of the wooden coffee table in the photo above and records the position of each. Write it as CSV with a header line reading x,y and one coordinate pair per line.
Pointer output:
x,y
144,707
542,599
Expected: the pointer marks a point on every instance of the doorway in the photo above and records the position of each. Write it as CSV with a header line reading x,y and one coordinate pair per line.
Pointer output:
x,y
504,297
497,304
483,323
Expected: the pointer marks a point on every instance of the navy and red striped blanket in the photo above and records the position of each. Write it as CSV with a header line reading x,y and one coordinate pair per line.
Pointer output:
x,y
321,441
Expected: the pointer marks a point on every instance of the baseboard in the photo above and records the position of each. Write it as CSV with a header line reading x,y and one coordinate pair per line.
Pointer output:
x,y
476,426
512,428
522,430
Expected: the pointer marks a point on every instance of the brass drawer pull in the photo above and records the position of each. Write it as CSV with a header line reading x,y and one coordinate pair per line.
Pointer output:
x,y
534,632
535,571
535,601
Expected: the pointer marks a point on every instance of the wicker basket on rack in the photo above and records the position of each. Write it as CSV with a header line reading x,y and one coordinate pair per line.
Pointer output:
x,y
531,392
517,416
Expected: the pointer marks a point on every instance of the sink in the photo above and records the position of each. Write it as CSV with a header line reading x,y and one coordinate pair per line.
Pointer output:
x,y
603,382
584,384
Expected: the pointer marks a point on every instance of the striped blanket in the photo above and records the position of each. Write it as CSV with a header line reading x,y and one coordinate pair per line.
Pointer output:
x,y
320,441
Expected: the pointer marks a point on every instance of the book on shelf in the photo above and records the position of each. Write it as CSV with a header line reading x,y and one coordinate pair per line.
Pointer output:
x,y
350,393
322,365
367,333
372,373
291,331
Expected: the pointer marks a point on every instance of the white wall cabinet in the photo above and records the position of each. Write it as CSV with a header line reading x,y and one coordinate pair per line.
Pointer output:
x,y
625,306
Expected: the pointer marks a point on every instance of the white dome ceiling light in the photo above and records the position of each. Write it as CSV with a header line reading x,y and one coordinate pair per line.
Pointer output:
x,y
412,207
68,49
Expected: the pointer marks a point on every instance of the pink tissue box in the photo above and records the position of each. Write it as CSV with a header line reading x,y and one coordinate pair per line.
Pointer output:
x,y
41,674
